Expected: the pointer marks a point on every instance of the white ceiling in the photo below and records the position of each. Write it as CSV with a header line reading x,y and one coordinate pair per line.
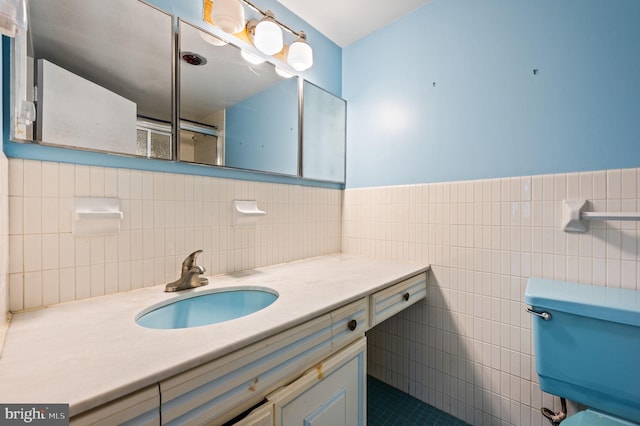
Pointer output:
x,y
345,21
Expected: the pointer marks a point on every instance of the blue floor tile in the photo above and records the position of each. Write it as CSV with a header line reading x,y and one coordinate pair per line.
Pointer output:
x,y
387,405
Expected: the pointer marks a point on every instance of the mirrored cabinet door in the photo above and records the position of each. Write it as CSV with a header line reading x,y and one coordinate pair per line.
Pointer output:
x,y
234,111
101,76
109,77
323,134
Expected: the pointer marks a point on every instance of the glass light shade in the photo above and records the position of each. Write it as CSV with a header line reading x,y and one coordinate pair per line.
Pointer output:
x,y
284,74
251,58
215,41
228,15
300,55
268,37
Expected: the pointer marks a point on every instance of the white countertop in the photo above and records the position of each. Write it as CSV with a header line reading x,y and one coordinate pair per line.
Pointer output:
x,y
90,352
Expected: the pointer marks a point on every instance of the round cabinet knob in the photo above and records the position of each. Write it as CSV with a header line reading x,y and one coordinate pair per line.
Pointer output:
x,y
406,296
352,325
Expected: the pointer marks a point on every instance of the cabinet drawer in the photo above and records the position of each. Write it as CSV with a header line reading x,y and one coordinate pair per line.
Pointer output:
x,y
392,300
349,322
139,408
223,388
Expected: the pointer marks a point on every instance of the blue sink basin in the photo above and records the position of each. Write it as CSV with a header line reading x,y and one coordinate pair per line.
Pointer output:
x,y
206,308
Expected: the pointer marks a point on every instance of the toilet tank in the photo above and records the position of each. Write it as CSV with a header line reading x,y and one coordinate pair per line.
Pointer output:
x,y
588,351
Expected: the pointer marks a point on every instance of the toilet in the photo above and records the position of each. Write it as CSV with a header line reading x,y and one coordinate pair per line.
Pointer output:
x,y
587,348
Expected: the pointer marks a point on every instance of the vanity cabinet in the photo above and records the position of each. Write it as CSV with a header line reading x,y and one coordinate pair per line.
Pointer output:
x,y
313,373
330,348
224,388
139,408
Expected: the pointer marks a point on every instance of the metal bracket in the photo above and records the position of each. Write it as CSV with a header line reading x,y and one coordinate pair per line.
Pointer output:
x,y
572,215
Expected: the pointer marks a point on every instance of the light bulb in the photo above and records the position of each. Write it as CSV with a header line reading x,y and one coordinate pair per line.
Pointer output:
x,y
300,55
228,15
267,35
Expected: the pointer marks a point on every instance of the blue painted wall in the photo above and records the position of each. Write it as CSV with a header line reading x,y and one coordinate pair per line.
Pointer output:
x,y
448,92
261,133
326,72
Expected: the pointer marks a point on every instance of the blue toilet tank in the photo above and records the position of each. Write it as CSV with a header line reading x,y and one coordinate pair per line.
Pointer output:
x,y
589,350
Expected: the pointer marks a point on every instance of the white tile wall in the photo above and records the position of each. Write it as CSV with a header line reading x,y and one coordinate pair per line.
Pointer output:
x,y
166,216
467,349
4,236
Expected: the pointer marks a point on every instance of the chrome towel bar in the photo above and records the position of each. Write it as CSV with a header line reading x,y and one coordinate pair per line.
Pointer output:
x,y
573,215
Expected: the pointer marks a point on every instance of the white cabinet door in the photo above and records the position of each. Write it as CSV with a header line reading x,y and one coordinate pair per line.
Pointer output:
x,y
331,394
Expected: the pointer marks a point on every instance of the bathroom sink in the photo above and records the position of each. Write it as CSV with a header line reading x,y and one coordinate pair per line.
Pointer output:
x,y
206,308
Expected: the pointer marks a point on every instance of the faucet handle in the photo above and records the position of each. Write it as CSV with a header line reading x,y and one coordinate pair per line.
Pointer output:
x,y
197,269
190,262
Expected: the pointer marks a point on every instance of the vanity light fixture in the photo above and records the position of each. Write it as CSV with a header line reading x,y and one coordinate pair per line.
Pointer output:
x,y
300,55
228,15
266,34
284,74
251,58
212,40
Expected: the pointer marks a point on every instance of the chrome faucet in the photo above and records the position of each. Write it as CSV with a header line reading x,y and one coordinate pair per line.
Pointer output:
x,y
190,275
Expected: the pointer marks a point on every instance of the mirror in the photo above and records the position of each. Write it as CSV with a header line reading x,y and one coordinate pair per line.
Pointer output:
x,y
234,113
103,73
324,118
103,76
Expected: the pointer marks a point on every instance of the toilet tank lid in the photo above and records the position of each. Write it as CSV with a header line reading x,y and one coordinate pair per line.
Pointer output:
x,y
606,303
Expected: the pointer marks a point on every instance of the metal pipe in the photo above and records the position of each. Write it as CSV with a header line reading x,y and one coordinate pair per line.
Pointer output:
x,y
556,418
